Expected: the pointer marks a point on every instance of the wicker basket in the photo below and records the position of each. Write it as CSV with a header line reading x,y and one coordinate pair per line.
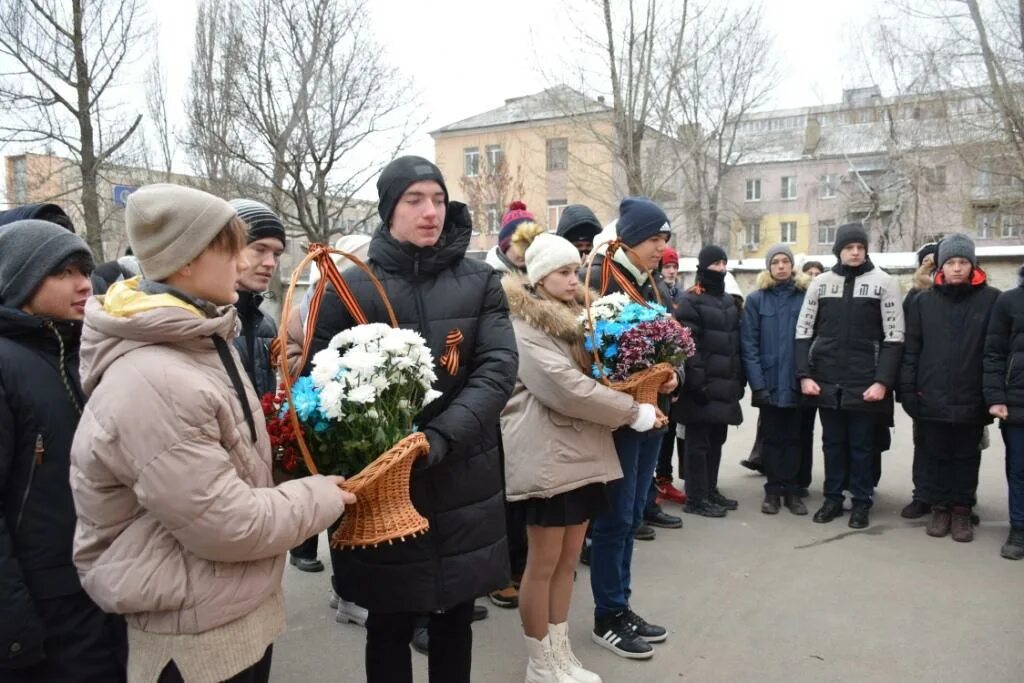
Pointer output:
x,y
383,512
643,386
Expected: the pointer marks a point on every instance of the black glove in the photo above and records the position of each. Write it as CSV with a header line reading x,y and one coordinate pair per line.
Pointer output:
x,y
761,397
438,448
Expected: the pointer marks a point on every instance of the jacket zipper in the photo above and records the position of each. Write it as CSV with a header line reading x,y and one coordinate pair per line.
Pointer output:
x,y
37,459
1009,370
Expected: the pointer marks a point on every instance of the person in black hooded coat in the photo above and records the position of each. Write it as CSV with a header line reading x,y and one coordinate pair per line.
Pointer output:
x,y
710,398
418,254
50,630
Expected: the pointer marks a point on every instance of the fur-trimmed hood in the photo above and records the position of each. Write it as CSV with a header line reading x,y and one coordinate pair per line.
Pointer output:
x,y
765,281
924,277
550,317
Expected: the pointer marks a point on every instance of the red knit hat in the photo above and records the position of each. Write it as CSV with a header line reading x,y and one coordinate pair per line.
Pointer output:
x,y
670,257
515,215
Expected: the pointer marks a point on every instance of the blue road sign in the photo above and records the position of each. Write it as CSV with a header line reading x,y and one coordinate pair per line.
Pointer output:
x,y
121,193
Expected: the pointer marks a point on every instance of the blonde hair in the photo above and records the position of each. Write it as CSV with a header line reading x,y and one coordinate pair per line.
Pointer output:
x,y
524,235
232,238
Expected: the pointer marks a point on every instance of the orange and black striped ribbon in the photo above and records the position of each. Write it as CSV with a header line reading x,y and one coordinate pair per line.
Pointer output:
x,y
450,358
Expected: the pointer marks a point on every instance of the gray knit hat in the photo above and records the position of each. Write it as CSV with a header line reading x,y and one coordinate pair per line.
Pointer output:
x,y
774,251
170,225
29,251
957,244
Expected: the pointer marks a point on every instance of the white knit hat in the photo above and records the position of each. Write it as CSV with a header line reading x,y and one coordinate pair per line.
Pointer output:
x,y
547,254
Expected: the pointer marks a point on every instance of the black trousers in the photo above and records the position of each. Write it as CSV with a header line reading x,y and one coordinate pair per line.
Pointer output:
x,y
515,529
923,490
670,444
336,561
82,644
954,458
808,416
388,659
257,673
780,449
703,458
306,551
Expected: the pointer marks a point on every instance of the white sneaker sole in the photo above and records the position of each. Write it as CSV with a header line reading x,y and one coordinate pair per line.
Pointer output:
x,y
656,639
627,655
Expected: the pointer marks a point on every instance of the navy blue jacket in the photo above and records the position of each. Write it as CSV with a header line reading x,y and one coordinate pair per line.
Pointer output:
x,y
767,339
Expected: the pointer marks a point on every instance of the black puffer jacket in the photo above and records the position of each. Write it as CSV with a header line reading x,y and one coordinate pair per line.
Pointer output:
x,y
1003,381
714,375
941,373
253,342
465,552
38,417
850,335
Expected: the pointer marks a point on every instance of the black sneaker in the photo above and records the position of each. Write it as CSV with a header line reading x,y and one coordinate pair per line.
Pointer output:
x,y
859,518
306,565
915,509
704,508
829,510
804,493
717,498
644,533
663,520
652,633
617,633
479,612
754,465
1013,549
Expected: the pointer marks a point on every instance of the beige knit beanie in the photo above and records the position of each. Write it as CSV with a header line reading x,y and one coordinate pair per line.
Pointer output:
x,y
170,225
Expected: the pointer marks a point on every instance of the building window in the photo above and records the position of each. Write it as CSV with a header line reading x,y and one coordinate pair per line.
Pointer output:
x,y
754,190
1013,227
20,180
493,219
752,235
471,161
788,232
826,232
789,187
985,223
935,177
494,157
555,209
558,154
827,185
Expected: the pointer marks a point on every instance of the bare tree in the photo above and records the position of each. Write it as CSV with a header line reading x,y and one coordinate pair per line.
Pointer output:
x,y
307,94
156,103
61,63
489,192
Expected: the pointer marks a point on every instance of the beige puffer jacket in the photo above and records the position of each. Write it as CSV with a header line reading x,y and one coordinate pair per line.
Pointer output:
x,y
557,427
178,526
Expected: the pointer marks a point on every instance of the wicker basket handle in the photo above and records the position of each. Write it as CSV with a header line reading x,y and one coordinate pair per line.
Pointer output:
x,y
321,255
609,271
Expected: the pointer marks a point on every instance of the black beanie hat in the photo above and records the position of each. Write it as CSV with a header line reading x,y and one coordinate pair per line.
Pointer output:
x,y
578,222
399,175
260,221
641,219
848,234
29,251
710,254
930,248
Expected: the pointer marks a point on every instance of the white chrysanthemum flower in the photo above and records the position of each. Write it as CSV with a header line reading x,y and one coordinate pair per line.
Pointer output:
x,y
326,365
408,337
363,393
372,414
394,345
362,362
331,398
379,382
432,395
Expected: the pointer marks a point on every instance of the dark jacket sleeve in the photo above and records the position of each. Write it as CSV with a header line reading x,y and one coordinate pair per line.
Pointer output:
x,y
806,327
997,349
893,334
492,374
750,342
21,629
907,387
696,376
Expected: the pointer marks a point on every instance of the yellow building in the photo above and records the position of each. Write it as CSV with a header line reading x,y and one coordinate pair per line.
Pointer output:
x,y
549,150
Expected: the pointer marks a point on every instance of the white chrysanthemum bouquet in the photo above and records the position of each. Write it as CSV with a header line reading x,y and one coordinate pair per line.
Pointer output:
x,y
362,395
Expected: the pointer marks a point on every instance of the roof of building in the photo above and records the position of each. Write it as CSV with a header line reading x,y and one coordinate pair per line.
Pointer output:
x,y
556,102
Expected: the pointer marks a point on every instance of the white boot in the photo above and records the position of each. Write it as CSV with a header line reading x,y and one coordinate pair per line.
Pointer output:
x,y
542,666
559,636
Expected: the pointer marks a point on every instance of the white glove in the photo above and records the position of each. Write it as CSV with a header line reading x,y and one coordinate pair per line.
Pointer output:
x,y
645,418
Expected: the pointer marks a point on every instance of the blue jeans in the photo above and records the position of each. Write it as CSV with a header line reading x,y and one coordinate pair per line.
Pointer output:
x,y
848,440
1013,437
611,550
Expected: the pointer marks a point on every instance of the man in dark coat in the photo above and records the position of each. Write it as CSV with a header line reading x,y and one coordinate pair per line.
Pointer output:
x,y
941,380
710,398
769,358
50,630
580,226
849,342
459,307
1003,386
644,228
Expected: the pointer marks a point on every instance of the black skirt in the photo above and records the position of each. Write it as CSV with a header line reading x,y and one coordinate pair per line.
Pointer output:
x,y
569,508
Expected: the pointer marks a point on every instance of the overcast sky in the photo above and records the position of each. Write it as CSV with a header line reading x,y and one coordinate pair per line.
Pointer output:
x,y
468,56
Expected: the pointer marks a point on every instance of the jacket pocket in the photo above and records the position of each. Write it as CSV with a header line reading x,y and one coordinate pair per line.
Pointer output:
x,y
560,420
